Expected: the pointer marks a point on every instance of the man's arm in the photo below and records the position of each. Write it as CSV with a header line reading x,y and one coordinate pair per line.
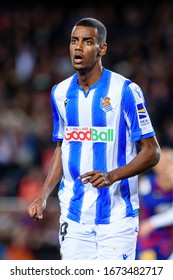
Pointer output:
x,y
54,176
147,157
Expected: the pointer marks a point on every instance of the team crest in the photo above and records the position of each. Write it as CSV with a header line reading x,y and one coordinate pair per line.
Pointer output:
x,y
105,104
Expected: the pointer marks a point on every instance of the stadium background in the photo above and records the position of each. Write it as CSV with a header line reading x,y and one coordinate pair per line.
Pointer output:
x,y
34,56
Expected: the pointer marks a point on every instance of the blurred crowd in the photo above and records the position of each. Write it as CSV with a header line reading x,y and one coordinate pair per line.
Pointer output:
x,y
34,55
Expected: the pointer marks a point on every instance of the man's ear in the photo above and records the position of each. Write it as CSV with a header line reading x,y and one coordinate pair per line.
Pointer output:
x,y
103,49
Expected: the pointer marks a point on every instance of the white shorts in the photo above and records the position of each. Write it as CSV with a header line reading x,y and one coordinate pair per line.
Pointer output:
x,y
115,241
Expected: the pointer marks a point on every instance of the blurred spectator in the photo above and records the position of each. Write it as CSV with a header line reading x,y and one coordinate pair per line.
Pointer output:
x,y
156,221
17,248
156,197
30,185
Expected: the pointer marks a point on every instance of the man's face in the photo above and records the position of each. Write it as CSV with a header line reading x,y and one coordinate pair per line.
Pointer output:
x,y
84,48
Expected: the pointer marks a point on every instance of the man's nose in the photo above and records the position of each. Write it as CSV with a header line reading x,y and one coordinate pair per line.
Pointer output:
x,y
79,45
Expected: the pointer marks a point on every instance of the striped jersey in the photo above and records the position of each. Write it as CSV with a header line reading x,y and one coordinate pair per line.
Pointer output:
x,y
98,130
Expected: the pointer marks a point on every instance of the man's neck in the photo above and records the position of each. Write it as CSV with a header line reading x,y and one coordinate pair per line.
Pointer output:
x,y
86,80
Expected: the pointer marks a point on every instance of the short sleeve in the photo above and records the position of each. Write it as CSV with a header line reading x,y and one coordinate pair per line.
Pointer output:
x,y
58,124
135,112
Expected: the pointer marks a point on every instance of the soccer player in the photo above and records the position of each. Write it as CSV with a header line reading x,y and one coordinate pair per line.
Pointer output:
x,y
155,237
99,119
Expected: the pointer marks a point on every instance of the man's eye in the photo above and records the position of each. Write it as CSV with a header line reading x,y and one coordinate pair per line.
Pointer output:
x,y
73,41
88,42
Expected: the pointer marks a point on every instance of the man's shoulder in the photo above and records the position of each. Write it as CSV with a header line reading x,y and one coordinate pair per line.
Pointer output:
x,y
119,77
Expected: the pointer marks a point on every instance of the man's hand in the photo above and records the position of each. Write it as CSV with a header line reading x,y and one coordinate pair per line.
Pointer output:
x,y
35,210
97,178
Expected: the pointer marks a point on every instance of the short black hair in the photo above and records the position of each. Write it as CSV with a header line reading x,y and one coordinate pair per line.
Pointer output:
x,y
92,22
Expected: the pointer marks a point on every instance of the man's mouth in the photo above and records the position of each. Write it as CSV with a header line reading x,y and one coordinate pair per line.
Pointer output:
x,y
77,59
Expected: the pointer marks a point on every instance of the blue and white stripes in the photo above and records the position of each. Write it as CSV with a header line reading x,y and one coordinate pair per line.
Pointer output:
x,y
77,111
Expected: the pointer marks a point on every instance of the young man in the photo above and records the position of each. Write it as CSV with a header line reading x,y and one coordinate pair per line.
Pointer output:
x,y
99,117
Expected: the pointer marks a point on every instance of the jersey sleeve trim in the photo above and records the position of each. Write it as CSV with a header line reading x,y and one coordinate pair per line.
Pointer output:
x,y
137,137
55,139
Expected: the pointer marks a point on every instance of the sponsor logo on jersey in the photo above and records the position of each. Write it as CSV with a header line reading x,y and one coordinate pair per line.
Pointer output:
x,y
106,104
142,114
92,134
141,111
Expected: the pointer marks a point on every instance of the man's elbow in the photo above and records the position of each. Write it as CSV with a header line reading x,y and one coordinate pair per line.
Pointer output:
x,y
155,156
